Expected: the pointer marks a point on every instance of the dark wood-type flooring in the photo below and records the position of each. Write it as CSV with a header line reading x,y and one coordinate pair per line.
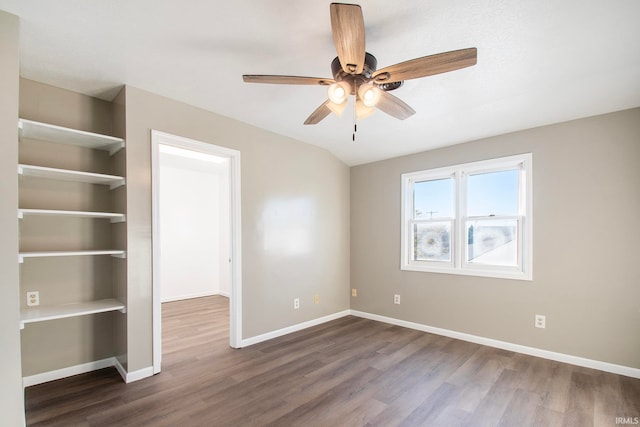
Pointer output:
x,y
348,372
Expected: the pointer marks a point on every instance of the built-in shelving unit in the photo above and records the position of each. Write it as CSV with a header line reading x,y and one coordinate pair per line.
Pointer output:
x,y
61,135
61,311
70,175
49,133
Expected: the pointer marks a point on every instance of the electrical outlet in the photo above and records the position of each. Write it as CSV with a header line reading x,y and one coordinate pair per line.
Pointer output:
x,y
296,303
354,292
396,299
33,298
540,321
316,299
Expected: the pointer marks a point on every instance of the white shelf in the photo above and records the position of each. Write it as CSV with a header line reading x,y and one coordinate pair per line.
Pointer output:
x,y
112,181
114,253
43,313
113,217
61,135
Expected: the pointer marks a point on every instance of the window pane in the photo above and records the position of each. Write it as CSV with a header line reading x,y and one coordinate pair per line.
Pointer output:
x,y
492,242
494,193
433,199
432,241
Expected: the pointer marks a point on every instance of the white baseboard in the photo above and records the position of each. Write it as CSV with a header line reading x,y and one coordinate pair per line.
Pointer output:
x,y
66,372
70,371
294,328
532,351
120,369
189,296
129,377
139,374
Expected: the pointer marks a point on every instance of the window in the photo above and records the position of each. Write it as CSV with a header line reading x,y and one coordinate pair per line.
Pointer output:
x,y
472,219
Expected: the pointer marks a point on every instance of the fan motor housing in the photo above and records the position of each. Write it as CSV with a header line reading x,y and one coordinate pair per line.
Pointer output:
x,y
370,65
355,80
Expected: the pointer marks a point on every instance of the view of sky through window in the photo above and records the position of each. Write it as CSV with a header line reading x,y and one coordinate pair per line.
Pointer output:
x,y
494,193
433,199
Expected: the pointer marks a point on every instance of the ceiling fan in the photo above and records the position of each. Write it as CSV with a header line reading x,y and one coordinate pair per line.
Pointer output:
x,y
354,71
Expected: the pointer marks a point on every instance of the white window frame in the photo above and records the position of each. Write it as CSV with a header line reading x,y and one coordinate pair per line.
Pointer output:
x,y
458,264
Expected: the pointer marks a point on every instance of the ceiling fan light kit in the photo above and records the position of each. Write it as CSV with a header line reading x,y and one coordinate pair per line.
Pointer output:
x,y
369,94
338,92
362,110
355,71
337,109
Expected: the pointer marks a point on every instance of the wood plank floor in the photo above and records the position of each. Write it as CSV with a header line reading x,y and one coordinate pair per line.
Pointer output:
x,y
348,372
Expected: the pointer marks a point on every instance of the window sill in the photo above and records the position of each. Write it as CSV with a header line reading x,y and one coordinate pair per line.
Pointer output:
x,y
497,274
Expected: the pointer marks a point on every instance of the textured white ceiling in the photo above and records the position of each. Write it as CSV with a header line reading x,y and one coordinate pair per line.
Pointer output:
x,y
539,62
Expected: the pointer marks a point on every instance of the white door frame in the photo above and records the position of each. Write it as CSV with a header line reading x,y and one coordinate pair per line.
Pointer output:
x,y
235,298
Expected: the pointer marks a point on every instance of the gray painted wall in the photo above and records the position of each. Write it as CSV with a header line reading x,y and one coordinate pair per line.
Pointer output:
x,y
586,232
11,395
294,193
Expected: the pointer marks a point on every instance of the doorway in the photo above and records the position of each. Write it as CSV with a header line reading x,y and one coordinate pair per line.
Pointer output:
x,y
175,161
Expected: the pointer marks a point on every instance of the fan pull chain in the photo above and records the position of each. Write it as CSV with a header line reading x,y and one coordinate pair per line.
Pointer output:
x,y
355,117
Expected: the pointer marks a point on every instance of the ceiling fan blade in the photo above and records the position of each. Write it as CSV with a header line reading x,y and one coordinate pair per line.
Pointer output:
x,y
394,106
320,113
347,25
286,80
427,66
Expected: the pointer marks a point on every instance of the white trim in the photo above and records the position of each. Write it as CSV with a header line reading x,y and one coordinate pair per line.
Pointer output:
x,y
129,377
139,374
120,369
235,298
67,372
294,328
155,255
83,368
190,296
531,351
